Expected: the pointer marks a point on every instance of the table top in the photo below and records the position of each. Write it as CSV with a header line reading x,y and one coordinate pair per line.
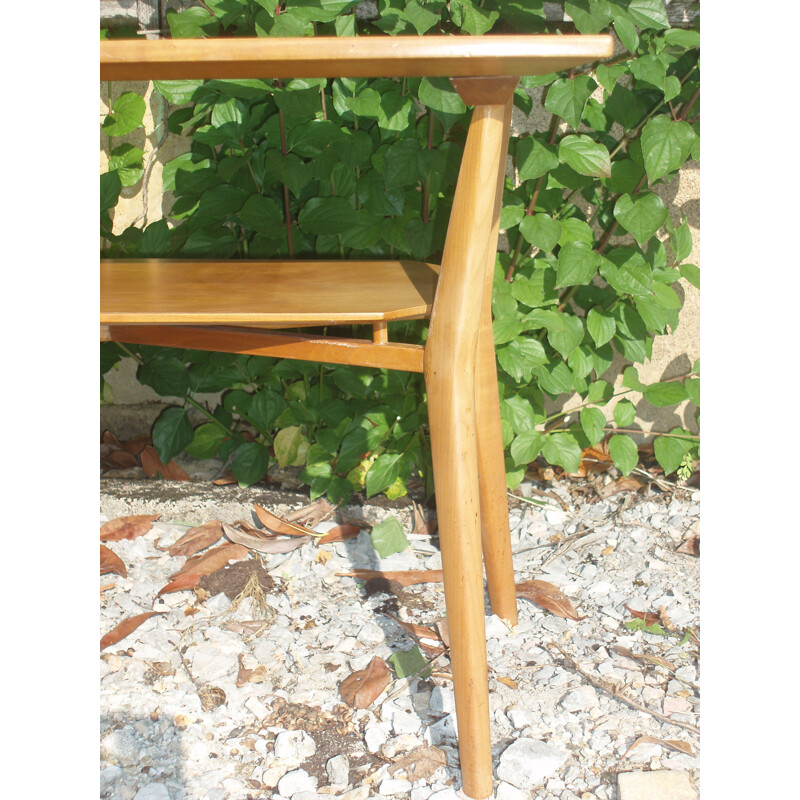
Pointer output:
x,y
351,57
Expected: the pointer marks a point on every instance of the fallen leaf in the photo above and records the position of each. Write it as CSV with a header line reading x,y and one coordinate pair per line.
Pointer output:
x,y
196,539
671,744
420,763
214,559
649,618
252,542
137,444
187,581
129,527
111,562
421,524
109,439
153,465
622,484
594,460
120,459
509,682
312,514
278,525
126,627
226,480
666,620
404,578
364,686
547,596
691,547
257,675
421,634
444,631
323,556
340,534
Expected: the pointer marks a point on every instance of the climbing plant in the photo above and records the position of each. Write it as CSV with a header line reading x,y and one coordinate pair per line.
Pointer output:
x,y
366,168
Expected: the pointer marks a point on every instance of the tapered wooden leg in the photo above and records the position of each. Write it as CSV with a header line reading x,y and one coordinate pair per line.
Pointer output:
x,y
451,411
495,534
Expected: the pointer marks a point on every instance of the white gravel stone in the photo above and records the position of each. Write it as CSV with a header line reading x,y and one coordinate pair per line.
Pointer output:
x,y
294,746
580,699
528,762
445,794
375,734
520,717
390,786
338,770
505,791
153,791
442,700
655,785
298,780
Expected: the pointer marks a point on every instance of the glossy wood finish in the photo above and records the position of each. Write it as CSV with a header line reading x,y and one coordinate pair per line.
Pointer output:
x,y
450,373
352,57
269,293
495,533
327,349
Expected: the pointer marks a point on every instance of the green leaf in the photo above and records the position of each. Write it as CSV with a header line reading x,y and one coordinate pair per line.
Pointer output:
x,y
206,440
410,662
624,413
623,452
647,13
626,31
593,422
601,326
533,158
625,107
110,188
155,240
670,450
250,463
562,449
667,393
520,356
642,216
265,408
172,432
577,264
166,375
630,380
567,98
541,230
631,276
439,94
505,329
526,447
323,216
575,230
388,537
665,145
383,473
585,156
191,23
395,112
472,19
126,116
649,69
691,273
290,446
680,240
679,37
262,214
567,339
178,92
365,104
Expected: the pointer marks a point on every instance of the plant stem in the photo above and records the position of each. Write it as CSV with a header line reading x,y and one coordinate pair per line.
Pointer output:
x,y
203,410
135,356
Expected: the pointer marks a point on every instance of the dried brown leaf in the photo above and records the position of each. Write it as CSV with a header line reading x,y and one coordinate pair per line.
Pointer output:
x,y
214,559
225,480
120,459
129,527
137,444
622,484
648,617
420,763
509,682
548,597
312,514
153,465
594,460
691,547
670,744
109,439
188,580
421,524
126,627
196,539
425,637
278,525
111,562
404,578
363,687
282,545
340,534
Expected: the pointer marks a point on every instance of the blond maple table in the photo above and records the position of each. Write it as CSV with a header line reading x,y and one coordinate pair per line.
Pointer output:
x,y
235,306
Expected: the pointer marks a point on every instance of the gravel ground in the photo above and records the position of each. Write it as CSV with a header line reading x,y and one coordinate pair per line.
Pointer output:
x,y
183,719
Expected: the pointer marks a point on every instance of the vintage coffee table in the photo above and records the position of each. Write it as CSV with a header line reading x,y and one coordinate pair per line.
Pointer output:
x,y
218,305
